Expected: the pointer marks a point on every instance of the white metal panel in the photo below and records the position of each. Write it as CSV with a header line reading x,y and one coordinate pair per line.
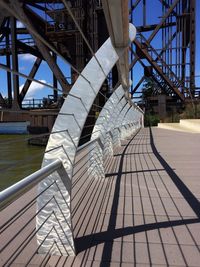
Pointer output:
x,y
62,145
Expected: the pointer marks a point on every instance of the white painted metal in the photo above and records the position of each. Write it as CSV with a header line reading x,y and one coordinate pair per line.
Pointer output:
x,y
62,145
15,191
117,114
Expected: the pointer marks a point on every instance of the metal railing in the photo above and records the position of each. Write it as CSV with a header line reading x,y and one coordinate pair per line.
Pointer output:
x,y
87,175
12,193
51,223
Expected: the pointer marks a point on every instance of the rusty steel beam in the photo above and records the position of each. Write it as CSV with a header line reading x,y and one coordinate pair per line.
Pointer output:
x,y
15,8
9,78
158,27
192,44
152,27
161,60
31,75
164,3
143,65
133,6
162,21
29,49
15,104
137,85
159,71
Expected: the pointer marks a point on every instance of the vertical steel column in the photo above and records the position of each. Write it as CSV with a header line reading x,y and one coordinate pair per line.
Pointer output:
x,y
131,49
183,43
192,45
170,43
8,63
14,64
179,40
176,51
55,82
163,43
167,38
144,12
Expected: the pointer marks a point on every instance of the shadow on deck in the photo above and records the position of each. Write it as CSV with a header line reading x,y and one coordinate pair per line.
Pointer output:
x,y
145,212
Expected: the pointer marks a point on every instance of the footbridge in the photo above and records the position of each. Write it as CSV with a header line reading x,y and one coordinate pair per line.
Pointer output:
x,y
143,210
120,195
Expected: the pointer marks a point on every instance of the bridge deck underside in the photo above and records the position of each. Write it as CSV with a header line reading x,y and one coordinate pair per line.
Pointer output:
x,y
145,212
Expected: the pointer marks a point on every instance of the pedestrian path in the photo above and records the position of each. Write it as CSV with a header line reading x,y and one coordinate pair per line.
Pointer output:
x,y
146,212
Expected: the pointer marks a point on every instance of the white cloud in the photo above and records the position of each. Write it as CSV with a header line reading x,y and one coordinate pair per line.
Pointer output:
x,y
20,24
27,57
34,89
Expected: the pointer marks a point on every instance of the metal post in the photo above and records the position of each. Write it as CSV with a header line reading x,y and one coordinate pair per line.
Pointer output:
x,y
14,64
55,82
8,63
144,12
192,45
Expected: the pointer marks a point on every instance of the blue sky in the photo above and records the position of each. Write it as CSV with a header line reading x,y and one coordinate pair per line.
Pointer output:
x,y
44,73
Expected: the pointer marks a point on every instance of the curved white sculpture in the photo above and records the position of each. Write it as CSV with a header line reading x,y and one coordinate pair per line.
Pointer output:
x,y
54,227
116,113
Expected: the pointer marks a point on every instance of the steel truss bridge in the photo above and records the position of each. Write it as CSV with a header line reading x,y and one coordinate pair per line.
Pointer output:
x,y
74,30
97,127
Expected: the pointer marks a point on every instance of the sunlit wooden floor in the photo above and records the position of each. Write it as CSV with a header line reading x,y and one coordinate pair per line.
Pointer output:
x,y
146,212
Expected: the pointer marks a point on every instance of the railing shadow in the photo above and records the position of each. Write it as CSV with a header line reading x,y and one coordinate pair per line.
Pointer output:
x,y
107,237
184,190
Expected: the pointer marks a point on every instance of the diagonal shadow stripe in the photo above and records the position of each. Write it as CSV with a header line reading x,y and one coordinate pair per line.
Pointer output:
x,y
107,237
142,171
107,250
113,233
184,190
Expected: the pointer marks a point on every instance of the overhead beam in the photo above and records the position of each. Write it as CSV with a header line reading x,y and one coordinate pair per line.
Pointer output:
x,y
28,49
152,27
15,7
31,75
116,14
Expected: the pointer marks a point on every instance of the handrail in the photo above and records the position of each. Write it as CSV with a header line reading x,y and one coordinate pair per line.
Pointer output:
x,y
10,194
87,144
98,140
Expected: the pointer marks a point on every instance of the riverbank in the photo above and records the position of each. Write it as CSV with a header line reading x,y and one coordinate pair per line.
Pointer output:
x,y
17,159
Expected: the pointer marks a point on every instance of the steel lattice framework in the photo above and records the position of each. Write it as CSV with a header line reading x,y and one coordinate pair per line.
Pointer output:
x,y
73,32
170,64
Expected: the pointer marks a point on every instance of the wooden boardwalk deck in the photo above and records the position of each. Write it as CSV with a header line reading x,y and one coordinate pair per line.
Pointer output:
x,y
146,212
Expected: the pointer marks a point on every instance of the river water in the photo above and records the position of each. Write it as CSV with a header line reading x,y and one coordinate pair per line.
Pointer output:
x,y
17,159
